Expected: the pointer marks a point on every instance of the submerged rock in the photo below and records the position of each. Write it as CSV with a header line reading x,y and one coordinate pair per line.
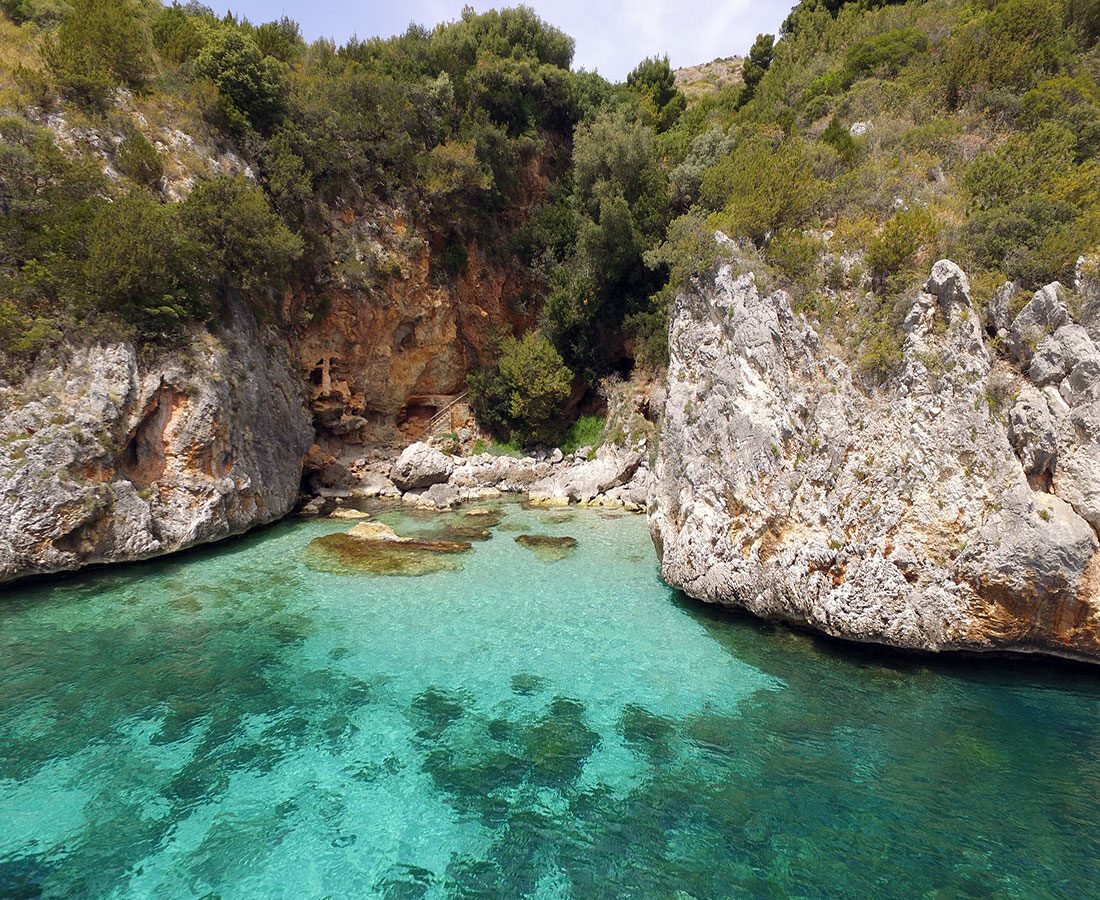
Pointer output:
x,y
467,532
377,533
371,548
955,506
348,514
486,518
548,547
341,554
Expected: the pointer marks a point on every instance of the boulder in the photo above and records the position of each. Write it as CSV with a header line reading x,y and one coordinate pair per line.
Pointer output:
x,y
375,484
348,514
1043,314
949,284
583,482
421,466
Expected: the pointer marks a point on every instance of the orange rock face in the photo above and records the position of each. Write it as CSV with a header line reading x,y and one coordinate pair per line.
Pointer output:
x,y
377,362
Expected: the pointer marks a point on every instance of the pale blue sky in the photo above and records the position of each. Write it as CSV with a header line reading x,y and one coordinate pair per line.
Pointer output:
x,y
611,37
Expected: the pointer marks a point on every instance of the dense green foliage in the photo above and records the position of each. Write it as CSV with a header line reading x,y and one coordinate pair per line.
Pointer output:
x,y
523,396
870,138
979,126
73,259
756,64
446,124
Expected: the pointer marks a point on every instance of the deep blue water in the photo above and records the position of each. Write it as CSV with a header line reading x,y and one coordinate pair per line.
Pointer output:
x,y
241,722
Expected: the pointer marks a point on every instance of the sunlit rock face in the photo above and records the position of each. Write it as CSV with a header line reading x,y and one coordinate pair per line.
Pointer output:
x,y
953,507
380,363
107,458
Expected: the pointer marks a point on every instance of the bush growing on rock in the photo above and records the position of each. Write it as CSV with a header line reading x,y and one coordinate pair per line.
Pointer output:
x,y
767,184
138,159
103,43
245,244
142,266
250,85
523,396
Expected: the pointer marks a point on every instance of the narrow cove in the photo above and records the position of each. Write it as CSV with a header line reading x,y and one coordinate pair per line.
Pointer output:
x,y
243,722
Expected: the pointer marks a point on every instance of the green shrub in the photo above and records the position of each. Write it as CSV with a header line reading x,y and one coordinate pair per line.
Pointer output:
x,y
894,252
621,209
282,40
756,64
43,13
1074,104
102,44
840,139
648,333
706,149
141,266
653,80
138,159
795,256
249,84
524,395
245,244
1022,165
883,54
176,34
1006,50
764,185
1011,237
587,431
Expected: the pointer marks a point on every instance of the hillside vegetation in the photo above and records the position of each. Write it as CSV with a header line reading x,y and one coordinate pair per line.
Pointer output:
x,y
158,162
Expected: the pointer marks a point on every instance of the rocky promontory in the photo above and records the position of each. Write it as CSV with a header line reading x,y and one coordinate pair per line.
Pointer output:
x,y
107,458
952,506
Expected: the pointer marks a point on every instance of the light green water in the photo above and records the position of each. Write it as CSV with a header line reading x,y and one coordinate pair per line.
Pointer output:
x,y
232,723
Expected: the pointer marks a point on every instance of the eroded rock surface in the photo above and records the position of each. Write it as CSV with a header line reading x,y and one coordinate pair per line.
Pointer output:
x,y
106,459
954,507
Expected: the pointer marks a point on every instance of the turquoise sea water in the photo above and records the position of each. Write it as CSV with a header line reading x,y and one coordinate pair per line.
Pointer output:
x,y
232,723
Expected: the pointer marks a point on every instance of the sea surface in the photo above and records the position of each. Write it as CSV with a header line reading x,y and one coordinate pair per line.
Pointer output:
x,y
251,721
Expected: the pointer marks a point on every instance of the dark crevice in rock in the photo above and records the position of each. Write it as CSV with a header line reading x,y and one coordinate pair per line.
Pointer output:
x,y
143,457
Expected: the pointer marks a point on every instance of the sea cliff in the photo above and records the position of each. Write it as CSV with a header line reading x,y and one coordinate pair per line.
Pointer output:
x,y
953,505
106,457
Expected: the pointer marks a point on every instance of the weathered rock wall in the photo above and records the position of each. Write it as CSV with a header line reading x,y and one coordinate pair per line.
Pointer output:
x,y
381,362
955,507
106,459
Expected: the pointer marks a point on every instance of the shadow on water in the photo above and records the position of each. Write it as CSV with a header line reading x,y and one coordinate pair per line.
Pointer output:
x,y
99,577
782,648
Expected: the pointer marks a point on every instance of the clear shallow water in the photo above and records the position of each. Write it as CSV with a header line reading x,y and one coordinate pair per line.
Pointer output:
x,y
231,723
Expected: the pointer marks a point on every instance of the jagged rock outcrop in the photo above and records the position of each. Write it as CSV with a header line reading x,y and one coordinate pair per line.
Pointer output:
x,y
953,507
106,458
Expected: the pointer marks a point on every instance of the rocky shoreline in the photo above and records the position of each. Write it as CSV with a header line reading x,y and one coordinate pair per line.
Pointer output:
x,y
106,457
426,478
955,506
